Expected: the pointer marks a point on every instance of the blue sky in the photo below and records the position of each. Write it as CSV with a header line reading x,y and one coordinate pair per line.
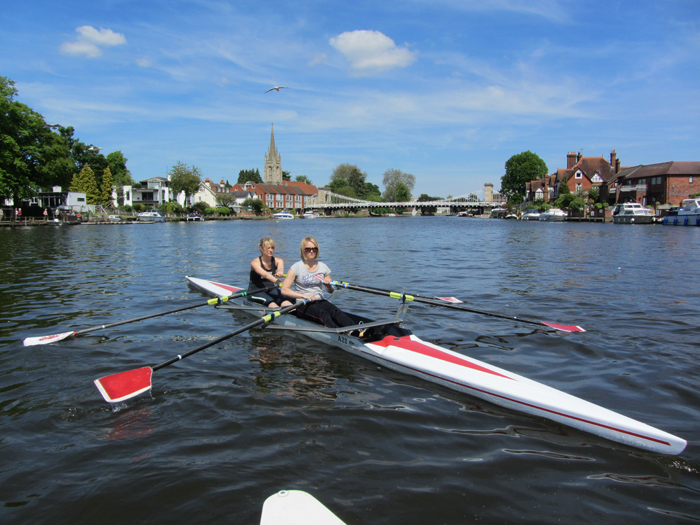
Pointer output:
x,y
447,90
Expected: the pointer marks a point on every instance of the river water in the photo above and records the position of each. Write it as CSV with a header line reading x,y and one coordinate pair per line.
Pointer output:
x,y
262,412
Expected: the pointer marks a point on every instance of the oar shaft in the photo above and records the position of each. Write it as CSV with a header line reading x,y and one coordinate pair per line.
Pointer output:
x,y
30,341
419,299
263,320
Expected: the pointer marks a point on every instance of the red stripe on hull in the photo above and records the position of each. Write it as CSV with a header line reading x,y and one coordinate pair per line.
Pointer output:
x,y
418,347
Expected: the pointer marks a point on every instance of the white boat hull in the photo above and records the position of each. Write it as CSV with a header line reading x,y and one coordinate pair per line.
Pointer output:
x,y
410,355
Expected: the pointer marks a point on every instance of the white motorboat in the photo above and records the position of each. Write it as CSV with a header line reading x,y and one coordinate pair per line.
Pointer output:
x,y
553,214
115,218
632,213
151,216
310,215
531,214
283,215
392,346
690,208
195,217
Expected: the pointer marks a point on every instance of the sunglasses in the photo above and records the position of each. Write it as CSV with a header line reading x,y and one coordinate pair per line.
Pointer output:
x,y
309,250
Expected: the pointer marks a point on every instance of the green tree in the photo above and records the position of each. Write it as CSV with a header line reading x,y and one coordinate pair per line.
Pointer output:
x,y
424,197
286,175
351,176
226,200
32,155
521,169
120,174
341,187
185,178
304,179
402,193
392,178
249,175
594,194
106,190
372,192
85,183
255,204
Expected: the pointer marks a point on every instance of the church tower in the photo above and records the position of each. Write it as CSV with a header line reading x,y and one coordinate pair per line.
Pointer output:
x,y
273,163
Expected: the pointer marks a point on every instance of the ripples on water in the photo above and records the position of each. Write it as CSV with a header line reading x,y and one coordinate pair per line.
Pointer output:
x,y
263,412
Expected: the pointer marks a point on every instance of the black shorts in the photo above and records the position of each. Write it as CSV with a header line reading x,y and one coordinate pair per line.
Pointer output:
x,y
265,298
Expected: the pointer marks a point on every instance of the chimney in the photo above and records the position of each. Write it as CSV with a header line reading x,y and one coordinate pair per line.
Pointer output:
x,y
570,160
578,157
617,165
613,156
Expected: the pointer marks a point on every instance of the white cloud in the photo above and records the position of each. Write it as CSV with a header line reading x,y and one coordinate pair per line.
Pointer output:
x,y
90,41
371,51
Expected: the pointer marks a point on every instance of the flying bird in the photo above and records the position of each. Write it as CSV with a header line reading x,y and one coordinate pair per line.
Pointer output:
x,y
276,88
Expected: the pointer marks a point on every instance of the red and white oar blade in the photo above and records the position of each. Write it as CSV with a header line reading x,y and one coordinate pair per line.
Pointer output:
x,y
449,299
125,385
46,339
564,327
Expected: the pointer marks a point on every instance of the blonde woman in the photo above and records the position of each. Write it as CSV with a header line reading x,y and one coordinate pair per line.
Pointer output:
x,y
310,277
265,271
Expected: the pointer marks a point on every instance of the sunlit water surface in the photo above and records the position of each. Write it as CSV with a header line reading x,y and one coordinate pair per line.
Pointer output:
x,y
262,412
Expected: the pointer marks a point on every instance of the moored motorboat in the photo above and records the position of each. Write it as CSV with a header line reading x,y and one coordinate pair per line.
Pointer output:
x,y
690,208
115,218
531,214
389,344
151,216
310,215
632,213
552,215
196,217
283,215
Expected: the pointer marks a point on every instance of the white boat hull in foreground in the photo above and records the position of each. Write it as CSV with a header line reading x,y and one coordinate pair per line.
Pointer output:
x,y
398,349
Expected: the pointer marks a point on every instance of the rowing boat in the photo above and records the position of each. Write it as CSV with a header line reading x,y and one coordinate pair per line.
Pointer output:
x,y
389,344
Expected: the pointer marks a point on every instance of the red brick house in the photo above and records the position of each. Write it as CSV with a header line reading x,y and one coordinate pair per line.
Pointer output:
x,y
580,175
664,183
287,195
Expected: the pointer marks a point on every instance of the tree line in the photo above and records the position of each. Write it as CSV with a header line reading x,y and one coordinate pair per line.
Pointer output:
x,y
36,156
528,166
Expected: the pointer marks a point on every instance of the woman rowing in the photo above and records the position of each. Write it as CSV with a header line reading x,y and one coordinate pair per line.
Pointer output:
x,y
310,276
265,271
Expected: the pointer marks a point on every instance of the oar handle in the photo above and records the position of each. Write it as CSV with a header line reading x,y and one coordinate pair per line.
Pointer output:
x,y
263,320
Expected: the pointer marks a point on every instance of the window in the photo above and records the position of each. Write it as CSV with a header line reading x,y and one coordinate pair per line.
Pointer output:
x,y
655,181
578,186
579,175
690,179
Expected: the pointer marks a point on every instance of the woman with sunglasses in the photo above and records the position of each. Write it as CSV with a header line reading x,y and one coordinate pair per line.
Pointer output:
x,y
264,271
310,276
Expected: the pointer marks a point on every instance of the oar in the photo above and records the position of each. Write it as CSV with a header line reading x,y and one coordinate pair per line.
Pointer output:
x,y
46,339
419,299
125,385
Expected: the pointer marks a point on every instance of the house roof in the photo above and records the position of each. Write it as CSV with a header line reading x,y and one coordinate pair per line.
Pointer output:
x,y
589,166
663,168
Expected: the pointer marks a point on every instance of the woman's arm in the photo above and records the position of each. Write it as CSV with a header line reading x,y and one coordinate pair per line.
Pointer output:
x,y
327,281
287,288
262,272
280,268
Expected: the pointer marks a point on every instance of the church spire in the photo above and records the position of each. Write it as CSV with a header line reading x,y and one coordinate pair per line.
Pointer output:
x,y
273,162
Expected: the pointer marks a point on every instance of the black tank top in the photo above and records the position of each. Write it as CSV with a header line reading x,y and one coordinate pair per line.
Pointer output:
x,y
256,280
